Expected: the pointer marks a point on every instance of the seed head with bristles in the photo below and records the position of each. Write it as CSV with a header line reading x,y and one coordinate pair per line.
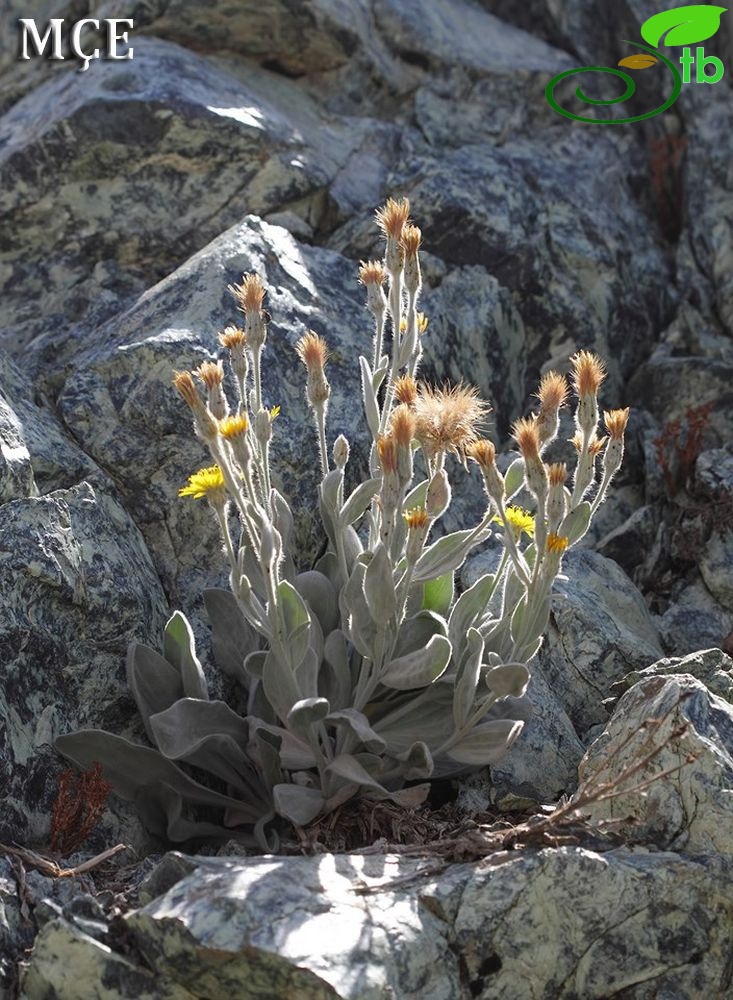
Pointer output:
x,y
250,294
183,382
483,452
313,351
402,425
588,373
405,390
410,240
553,391
526,433
448,419
211,374
557,473
392,217
387,452
616,421
232,338
372,272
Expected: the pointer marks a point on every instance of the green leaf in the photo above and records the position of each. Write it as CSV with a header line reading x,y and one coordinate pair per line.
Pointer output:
x,y
426,717
447,554
232,635
418,669
296,803
575,524
321,597
179,649
467,678
416,632
359,500
508,679
154,682
129,767
358,725
379,590
683,25
487,743
438,593
279,684
371,409
514,478
295,619
467,612
306,713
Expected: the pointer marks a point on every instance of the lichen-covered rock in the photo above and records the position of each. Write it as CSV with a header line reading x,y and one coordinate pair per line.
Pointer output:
x,y
692,808
77,585
599,630
711,666
693,620
528,924
174,149
119,403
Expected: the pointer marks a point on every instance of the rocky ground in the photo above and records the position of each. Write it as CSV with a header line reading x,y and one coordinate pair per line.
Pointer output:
x,y
261,137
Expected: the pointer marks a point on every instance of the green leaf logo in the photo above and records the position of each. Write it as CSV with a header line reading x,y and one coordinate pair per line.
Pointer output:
x,y
683,26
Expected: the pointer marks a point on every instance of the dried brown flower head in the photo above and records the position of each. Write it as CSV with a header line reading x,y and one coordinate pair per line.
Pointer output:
x,y
392,217
411,239
448,419
183,382
387,452
372,272
553,391
616,421
313,351
232,337
526,433
588,373
483,452
557,473
402,425
250,294
211,373
405,390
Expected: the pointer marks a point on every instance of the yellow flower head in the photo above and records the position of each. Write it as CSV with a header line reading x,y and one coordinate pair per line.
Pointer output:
x,y
208,483
519,519
422,323
233,426
274,412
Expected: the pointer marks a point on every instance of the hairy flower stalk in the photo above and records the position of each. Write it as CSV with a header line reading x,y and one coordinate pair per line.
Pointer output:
x,y
313,352
372,275
367,671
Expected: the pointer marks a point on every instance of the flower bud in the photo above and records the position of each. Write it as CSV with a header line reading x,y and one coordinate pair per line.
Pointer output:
x,y
340,452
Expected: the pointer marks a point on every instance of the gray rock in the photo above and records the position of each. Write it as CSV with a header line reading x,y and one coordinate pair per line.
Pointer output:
x,y
692,808
599,629
711,666
77,585
716,566
694,620
335,927
120,406
629,543
714,473
540,767
172,147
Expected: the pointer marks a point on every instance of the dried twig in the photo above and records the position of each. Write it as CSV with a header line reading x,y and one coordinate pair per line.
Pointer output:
x,y
51,868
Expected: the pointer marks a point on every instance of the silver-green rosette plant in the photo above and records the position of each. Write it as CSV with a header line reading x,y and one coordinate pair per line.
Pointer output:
x,y
366,675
